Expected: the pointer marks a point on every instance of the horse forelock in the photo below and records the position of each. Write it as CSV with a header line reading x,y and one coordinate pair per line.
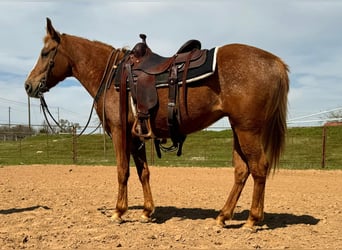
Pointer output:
x,y
46,40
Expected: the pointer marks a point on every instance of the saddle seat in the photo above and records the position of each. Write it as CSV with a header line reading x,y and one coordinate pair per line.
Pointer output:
x,y
151,63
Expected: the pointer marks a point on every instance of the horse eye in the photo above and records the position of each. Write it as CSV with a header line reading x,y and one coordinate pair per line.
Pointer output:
x,y
44,53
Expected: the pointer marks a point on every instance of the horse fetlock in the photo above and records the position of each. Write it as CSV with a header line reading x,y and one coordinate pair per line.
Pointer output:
x,y
255,216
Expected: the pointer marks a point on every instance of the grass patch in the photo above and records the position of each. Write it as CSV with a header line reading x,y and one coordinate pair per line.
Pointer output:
x,y
205,148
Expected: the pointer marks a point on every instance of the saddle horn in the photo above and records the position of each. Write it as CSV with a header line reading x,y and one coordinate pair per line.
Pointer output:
x,y
140,49
143,37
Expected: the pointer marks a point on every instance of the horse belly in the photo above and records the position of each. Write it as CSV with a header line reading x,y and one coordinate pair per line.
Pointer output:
x,y
202,108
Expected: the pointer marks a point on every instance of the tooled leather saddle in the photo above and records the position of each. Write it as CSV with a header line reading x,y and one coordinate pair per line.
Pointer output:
x,y
143,71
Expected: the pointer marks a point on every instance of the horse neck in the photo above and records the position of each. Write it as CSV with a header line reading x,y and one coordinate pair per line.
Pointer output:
x,y
88,61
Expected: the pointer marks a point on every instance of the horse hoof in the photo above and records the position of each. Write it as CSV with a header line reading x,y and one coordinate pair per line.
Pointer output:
x,y
116,219
249,229
145,219
220,223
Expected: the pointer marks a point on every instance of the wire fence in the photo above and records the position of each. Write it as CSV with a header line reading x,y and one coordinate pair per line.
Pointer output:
x,y
311,147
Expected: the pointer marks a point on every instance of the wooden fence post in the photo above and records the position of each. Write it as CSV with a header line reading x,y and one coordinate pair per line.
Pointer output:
x,y
74,145
324,140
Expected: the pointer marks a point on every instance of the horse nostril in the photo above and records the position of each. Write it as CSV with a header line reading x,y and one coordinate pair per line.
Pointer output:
x,y
28,88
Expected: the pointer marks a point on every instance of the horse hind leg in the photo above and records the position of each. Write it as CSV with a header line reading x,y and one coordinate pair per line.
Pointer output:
x,y
252,154
139,156
252,147
259,171
241,173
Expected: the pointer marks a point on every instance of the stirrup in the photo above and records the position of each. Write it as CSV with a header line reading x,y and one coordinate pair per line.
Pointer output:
x,y
176,146
138,131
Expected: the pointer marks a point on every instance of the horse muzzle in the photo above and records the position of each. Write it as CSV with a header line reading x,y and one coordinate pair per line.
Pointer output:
x,y
37,90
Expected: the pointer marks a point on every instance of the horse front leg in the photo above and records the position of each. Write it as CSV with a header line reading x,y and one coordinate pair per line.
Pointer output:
x,y
122,160
139,156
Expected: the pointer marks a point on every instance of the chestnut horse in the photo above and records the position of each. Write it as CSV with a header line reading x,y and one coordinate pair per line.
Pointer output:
x,y
250,87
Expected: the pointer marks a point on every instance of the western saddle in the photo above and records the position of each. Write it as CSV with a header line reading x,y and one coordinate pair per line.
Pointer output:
x,y
141,70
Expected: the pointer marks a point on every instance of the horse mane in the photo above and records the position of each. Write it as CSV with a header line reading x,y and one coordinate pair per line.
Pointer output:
x,y
95,43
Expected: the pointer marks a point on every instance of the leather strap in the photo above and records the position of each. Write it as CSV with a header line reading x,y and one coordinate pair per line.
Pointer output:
x,y
123,108
173,89
173,112
185,72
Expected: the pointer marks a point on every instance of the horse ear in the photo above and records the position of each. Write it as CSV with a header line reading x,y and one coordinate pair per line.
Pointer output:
x,y
51,30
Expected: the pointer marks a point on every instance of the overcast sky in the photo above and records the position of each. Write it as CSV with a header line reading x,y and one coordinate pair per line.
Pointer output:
x,y
307,35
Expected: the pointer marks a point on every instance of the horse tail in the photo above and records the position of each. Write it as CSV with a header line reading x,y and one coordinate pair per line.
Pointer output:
x,y
275,129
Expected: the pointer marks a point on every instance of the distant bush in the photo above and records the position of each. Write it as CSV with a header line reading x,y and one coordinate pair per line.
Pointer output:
x,y
17,132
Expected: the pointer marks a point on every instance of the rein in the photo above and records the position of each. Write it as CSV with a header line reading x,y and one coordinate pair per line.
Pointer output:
x,y
46,110
105,84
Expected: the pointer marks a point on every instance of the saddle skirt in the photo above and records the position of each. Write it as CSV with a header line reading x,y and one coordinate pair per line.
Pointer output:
x,y
204,68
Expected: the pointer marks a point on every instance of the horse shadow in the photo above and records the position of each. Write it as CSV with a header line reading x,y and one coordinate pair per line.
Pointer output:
x,y
271,220
21,210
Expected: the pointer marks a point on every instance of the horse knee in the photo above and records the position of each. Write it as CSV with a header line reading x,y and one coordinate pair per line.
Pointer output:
x,y
123,177
145,175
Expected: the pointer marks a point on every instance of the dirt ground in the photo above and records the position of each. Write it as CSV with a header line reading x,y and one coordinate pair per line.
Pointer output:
x,y
70,206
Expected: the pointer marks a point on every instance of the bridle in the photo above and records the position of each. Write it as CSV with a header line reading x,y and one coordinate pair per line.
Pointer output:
x,y
43,82
42,88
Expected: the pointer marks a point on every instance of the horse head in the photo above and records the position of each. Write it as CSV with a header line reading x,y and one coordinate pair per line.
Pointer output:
x,y
52,65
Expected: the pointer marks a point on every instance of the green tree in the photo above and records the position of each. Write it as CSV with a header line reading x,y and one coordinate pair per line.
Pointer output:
x,y
67,127
335,115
